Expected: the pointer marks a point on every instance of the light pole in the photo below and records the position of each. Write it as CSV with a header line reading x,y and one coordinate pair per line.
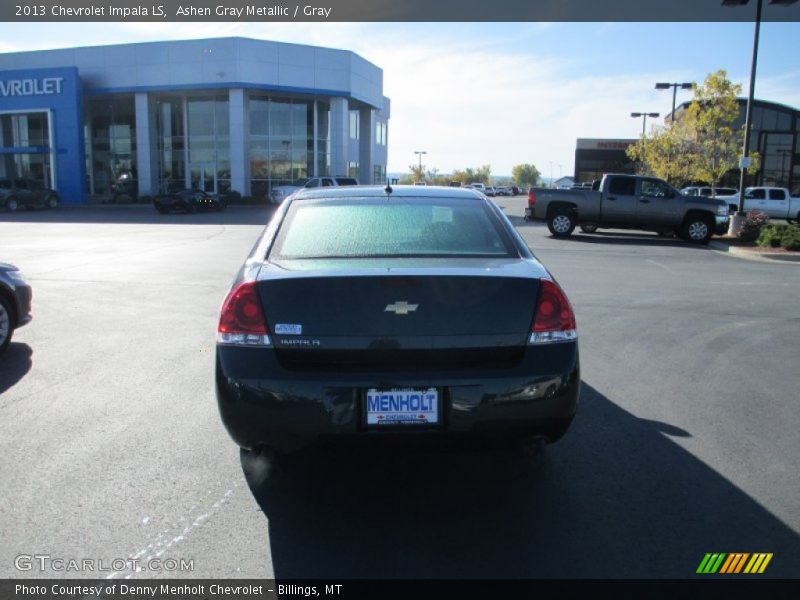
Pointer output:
x,y
551,173
674,86
419,153
644,116
737,221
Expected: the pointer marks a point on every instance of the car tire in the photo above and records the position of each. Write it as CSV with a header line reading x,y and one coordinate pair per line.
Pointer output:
x,y
589,228
12,205
6,324
697,229
51,202
794,221
561,223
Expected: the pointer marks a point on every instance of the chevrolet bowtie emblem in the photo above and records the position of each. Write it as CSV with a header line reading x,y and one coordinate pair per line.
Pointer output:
x,y
401,308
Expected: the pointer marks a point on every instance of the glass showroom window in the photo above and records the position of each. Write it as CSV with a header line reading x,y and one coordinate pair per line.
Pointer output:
x,y
171,145
379,174
112,146
25,138
353,124
281,146
209,139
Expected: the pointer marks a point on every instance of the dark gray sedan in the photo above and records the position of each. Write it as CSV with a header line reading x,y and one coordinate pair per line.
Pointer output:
x,y
15,303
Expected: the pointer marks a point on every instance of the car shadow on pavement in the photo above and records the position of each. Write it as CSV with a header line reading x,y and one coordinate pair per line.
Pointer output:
x,y
144,214
14,365
615,498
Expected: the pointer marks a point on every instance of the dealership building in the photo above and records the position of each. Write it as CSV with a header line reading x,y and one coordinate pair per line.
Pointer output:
x,y
216,114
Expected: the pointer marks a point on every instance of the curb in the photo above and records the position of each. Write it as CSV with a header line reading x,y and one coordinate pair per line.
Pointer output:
x,y
755,256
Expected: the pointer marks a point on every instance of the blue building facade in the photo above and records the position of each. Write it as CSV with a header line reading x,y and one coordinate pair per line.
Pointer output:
x,y
217,114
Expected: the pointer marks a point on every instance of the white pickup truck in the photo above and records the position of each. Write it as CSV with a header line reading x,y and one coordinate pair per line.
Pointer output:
x,y
774,201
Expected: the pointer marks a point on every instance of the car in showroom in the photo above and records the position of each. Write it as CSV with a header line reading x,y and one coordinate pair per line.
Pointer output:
x,y
190,201
15,303
26,193
372,312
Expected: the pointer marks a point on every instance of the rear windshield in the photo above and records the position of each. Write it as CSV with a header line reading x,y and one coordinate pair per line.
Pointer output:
x,y
396,228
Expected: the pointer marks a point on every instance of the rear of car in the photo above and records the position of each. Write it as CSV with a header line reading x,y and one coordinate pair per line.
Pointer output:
x,y
421,313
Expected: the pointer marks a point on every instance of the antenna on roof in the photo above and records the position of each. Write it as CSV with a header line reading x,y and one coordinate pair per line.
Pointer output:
x,y
388,189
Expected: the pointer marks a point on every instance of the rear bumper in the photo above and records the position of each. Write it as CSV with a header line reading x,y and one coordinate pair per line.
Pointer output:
x,y
264,404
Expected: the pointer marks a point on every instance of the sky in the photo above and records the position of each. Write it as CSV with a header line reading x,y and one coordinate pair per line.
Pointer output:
x,y
501,94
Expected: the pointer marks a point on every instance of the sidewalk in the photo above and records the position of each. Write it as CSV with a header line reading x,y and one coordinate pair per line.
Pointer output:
x,y
755,253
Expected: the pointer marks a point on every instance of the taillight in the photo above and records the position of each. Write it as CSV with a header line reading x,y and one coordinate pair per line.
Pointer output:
x,y
531,197
241,320
554,320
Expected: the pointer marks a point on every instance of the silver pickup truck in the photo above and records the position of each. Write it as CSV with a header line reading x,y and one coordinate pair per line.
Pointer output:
x,y
629,202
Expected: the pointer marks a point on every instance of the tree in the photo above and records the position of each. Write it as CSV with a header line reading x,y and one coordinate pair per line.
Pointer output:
x,y
470,175
525,175
700,145
710,117
668,153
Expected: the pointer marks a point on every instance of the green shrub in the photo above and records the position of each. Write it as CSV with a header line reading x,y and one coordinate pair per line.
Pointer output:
x,y
780,236
122,199
791,240
248,200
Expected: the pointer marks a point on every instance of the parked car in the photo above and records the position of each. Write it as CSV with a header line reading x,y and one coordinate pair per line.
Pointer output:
x,y
420,183
26,193
188,201
502,191
281,192
707,190
629,202
490,190
440,323
15,303
477,186
777,202
515,191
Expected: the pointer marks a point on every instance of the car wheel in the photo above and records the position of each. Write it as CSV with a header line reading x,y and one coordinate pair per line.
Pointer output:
x,y
589,228
6,324
795,220
51,202
697,230
561,223
12,205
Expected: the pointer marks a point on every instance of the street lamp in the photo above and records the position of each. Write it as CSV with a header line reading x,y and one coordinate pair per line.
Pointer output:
x,y
644,116
674,86
420,153
737,221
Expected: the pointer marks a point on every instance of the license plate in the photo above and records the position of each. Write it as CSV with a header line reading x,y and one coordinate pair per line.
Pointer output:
x,y
402,407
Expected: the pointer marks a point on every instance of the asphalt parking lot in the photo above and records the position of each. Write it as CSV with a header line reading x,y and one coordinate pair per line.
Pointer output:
x,y
686,441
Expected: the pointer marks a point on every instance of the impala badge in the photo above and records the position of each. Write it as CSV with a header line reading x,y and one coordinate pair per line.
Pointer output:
x,y
401,308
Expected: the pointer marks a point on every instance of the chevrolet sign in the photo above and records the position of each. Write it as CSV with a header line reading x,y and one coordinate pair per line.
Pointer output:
x,y
31,87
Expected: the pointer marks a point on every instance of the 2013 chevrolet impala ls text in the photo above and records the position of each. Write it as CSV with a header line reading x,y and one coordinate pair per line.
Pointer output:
x,y
371,311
